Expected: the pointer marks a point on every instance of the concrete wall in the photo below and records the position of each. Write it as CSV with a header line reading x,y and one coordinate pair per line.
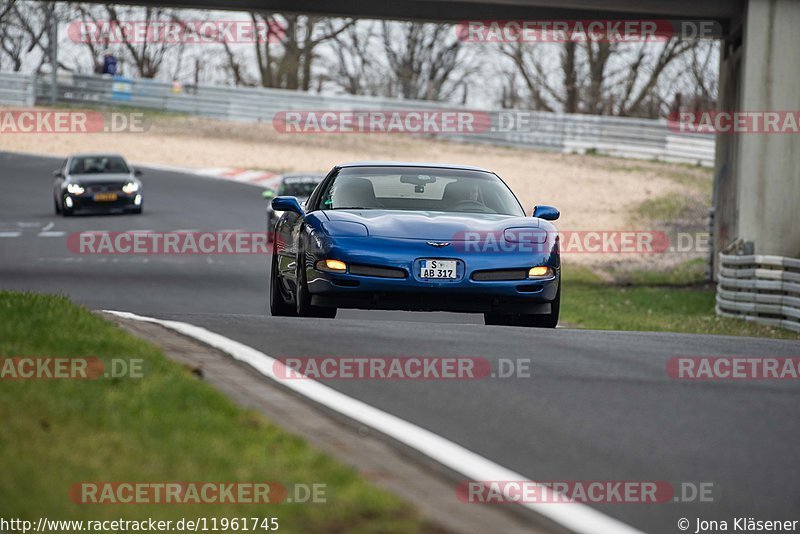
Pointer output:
x,y
768,165
726,171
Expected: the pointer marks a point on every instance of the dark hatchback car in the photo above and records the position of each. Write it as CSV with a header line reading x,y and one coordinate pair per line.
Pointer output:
x,y
299,186
96,183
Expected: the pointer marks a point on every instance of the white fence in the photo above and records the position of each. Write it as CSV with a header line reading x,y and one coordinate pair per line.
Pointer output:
x,y
617,136
765,289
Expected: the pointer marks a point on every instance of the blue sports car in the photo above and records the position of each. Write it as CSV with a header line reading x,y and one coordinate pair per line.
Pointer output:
x,y
413,236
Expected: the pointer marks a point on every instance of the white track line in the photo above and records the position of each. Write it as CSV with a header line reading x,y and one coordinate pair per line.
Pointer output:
x,y
10,234
574,516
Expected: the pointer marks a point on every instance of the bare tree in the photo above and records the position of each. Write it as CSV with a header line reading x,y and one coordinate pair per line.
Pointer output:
x,y
354,67
289,64
12,39
426,61
596,77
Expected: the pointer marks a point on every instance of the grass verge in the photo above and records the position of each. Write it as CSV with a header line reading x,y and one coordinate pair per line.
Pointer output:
x,y
670,301
166,426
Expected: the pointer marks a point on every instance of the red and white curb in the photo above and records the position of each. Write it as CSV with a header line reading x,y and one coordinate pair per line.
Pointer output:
x,y
259,178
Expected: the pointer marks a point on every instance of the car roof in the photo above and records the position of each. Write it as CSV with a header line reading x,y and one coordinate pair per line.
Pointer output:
x,y
303,177
95,155
413,164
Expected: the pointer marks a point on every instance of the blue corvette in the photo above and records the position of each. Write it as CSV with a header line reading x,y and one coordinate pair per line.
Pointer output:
x,y
412,236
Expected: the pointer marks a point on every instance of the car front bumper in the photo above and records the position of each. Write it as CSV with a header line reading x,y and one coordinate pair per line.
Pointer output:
x,y
463,294
123,202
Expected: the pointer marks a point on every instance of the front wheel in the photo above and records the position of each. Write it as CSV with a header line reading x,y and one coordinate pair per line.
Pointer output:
x,y
56,206
538,320
303,297
544,320
277,304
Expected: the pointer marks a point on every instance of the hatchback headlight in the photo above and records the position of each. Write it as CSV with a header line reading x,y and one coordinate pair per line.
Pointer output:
x,y
130,187
75,189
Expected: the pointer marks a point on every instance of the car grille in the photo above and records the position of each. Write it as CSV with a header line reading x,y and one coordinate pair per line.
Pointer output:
x,y
380,272
500,274
102,188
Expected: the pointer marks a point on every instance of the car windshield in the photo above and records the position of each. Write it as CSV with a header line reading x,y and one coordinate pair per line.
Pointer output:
x,y
299,187
420,189
98,165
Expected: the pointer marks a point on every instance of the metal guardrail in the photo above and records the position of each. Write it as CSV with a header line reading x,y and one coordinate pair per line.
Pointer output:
x,y
16,89
765,289
569,133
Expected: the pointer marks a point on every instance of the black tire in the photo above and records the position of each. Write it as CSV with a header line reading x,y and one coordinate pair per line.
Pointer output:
x,y
303,297
56,206
278,306
538,320
544,320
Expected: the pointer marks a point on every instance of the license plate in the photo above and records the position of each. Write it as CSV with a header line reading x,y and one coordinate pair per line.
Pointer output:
x,y
437,269
105,197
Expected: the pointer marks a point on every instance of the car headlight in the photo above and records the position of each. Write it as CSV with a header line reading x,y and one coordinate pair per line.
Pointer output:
x,y
540,272
130,187
75,189
332,266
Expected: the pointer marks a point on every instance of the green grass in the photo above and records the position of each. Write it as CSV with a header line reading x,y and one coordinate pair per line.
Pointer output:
x,y
166,426
651,301
669,208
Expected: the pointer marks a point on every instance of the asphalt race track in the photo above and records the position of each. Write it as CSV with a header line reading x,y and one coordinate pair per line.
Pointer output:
x,y
597,406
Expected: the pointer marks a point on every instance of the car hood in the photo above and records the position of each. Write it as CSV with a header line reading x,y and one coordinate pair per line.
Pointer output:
x,y
101,178
434,225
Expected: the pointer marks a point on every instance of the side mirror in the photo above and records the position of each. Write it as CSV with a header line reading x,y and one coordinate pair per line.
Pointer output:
x,y
58,174
287,204
548,213
137,172
268,194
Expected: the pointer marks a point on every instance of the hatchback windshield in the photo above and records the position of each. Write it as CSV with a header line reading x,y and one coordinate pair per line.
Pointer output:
x,y
299,187
420,189
98,165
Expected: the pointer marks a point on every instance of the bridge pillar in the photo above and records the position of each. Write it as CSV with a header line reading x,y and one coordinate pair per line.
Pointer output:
x,y
757,177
